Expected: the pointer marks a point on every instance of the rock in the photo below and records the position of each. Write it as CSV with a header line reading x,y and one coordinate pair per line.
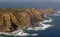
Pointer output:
x,y
30,13
10,22
24,19
38,14
14,22
48,11
14,18
29,17
7,22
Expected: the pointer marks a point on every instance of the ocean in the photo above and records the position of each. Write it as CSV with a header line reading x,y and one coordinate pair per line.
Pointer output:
x,y
41,5
49,32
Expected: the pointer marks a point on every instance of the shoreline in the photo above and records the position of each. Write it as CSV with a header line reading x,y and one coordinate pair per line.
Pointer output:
x,y
20,32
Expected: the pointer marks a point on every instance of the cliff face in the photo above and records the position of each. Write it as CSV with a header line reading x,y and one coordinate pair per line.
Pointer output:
x,y
24,19
7,22
11,19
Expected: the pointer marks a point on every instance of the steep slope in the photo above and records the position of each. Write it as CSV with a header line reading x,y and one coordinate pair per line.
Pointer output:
x,y
11,19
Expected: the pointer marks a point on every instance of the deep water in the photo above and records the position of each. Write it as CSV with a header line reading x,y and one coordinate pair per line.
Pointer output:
x,y
42,5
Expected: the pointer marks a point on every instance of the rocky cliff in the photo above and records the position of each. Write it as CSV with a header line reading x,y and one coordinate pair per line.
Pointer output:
x,y
11,19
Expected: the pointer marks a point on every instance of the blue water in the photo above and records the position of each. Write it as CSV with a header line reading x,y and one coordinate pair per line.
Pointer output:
x,y
50,32
54,31
42,5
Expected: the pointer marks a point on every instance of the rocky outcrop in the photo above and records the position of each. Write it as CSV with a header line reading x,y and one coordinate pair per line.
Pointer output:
x,y
24,20
38,14
14,22
48,11
7,22
15,18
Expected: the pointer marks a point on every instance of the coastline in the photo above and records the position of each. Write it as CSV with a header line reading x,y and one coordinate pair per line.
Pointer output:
x,y
20,32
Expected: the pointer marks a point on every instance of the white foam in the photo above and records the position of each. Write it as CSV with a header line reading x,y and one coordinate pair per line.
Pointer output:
x,y
56,15
37,28
46,26
35,34
50,20
29,28
58,12
22,34
3,33
43,28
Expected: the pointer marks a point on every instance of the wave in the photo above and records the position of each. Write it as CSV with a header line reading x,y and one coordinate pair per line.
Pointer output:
x,y
20,32
35,34
50,20
57,13
45,26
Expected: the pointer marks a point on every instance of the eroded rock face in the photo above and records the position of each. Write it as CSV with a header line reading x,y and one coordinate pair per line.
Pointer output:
x,y
13,18
38,14
10,22
48,11
7,22
14,22
29,17
26,18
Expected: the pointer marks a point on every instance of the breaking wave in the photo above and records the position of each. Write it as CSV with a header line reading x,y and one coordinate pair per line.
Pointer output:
x,y
45,26
35,34
20,32
56,13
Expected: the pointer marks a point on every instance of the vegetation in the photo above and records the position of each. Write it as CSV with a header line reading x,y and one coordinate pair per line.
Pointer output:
x,y
11,19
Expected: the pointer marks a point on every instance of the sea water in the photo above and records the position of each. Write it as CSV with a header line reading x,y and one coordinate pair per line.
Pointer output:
x,y
30,31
